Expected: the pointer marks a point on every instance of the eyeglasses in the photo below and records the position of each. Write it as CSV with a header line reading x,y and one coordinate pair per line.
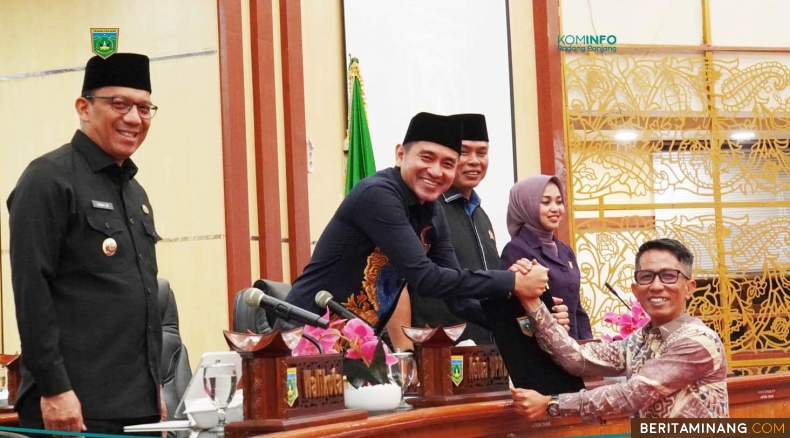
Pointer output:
x,y
122,105
667,276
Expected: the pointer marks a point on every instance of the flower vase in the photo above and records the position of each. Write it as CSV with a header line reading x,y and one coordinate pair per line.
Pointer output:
x,y
372,398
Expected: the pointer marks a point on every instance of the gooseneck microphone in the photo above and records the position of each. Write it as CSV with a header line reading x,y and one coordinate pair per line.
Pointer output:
x,y
255,297
324,299
611,289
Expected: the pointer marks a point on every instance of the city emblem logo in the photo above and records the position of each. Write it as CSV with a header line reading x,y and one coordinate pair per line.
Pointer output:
x,y
526,326
290,383
104,41
457,369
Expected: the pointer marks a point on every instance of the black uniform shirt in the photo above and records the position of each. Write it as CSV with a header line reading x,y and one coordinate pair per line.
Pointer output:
x,y
381,235
475,247
87,321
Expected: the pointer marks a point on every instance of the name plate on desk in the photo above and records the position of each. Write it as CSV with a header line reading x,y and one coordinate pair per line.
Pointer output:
x,y
453,375
483,370
317,381
284,392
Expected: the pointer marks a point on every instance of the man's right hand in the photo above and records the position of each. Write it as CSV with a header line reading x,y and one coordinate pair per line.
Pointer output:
x,y
62,412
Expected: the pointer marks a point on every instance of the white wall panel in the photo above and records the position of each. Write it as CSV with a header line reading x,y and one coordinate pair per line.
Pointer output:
x,y
635,21
439,56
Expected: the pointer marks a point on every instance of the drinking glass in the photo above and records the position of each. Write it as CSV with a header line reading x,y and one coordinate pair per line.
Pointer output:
x,y
219,382
402,373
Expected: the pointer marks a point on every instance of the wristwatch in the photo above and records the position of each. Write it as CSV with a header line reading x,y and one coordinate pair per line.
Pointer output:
x,y
553,409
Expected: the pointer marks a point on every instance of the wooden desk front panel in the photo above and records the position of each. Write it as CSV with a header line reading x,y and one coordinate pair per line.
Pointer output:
x,y
765,396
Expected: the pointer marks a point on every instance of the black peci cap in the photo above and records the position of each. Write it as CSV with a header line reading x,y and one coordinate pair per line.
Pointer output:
x,y
474,126
120,70
443,130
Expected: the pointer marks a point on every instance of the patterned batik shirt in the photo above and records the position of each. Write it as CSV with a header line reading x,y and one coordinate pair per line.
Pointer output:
x,y
676,370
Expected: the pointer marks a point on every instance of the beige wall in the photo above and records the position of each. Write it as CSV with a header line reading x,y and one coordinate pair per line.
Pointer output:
x,y
325,107
525,90
181,160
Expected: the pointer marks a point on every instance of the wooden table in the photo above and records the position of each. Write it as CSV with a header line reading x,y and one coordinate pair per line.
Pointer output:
x,y
765,396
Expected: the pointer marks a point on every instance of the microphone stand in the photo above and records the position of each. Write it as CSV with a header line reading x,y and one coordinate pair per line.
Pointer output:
x,y
314,342
611,289
282,325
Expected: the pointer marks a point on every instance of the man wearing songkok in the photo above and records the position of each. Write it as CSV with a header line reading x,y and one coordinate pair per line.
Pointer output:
x,y
675,366
471,232
83,264
390,231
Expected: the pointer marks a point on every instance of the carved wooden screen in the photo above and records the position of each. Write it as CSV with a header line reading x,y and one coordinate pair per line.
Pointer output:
x,y
691,173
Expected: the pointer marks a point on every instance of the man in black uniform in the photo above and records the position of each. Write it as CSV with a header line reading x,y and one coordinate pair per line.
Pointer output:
x,y
471,232
83,265
390,229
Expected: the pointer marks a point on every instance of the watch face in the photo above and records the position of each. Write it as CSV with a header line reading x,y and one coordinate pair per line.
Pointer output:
x,y
553,409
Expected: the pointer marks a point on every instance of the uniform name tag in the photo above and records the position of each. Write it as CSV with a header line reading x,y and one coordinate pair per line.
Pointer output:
x,y
102,205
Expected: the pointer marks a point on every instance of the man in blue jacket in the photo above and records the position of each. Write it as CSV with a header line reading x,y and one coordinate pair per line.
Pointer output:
x,y
471,231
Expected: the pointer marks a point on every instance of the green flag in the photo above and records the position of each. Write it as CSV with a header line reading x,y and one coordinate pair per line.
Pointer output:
x,y
360,149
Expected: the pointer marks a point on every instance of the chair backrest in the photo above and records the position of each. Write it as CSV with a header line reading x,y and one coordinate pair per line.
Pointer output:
x,y
255,319
176,372
247,318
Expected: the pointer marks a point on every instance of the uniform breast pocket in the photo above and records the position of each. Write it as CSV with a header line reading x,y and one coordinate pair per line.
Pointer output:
x,y
152,236
107,244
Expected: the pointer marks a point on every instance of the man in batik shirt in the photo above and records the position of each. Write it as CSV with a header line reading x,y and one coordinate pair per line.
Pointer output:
x,y
675,366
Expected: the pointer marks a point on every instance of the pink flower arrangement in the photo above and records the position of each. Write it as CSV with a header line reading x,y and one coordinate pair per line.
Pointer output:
x,y
326,337
363,343
366,356
628,322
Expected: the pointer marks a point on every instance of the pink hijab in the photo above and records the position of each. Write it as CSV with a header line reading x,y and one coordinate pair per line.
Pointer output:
x,y
523,210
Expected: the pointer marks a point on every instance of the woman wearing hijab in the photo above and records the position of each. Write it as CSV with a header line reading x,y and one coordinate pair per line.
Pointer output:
x,y
535,210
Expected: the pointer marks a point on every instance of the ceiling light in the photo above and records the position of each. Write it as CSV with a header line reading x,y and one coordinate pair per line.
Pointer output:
x,y
625,135
743,135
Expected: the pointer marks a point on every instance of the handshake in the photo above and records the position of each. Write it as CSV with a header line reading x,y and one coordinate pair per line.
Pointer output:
x,y
532,280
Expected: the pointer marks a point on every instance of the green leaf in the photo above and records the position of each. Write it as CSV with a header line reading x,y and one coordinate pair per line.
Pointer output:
x,y
378,367
357,373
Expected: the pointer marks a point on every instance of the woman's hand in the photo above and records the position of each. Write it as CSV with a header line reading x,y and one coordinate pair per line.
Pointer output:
x,y
560,314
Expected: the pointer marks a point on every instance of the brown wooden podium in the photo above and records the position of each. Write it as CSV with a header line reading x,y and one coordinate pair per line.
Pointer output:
x,y
283,392
452,375
11,363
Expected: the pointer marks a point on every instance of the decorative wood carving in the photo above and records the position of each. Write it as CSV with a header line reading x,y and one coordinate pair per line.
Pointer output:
x,y
482,378
13,377
269,402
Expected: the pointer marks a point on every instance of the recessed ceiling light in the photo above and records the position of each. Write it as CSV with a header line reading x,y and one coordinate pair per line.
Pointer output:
x,y
625,135
743,135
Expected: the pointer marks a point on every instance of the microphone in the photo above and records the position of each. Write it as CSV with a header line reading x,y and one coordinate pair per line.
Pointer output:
x,y
324,299
256,298
611,289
